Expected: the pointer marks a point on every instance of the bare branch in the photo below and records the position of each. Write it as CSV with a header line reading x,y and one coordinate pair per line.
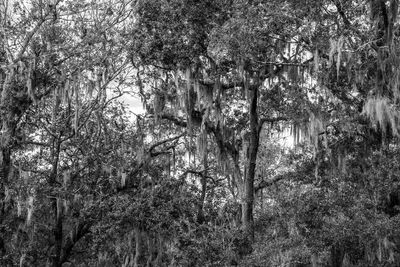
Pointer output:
x,y
165,141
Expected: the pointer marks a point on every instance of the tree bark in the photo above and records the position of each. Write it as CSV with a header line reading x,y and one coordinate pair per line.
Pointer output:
x,y
155,250
200,214
384,18
56,207
139,260
160,250
337,255
248,201
4,173
76,233
8,127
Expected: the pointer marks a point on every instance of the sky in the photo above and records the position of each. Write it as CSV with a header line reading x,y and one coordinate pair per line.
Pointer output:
x,y
133,103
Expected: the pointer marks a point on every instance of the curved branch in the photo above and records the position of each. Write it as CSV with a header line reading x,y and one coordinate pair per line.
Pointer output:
x,y
263,184
165,141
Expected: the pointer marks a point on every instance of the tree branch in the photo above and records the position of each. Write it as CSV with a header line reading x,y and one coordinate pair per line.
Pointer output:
x,y
165,141
263,184
223,145
339,7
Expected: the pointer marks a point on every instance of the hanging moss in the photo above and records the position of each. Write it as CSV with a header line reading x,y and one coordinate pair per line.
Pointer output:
x,y
294,132
30,209
123,178
339,54
29,85
332,51
202,143
188,77
55,107
189,99
66,205
19,207
382,114
316,62
59,207
176,80
76,117
199,96
65,95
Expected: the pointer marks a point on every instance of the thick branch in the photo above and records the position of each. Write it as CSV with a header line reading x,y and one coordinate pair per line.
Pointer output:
x,y
177,121
165,151
223,145
264,184
198,173
339,7
165,141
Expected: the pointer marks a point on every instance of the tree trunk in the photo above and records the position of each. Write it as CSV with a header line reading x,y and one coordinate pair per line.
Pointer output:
x,y
7,133
200,214
337,255
56,206
384,18
160,251
155,250
247,206
58,236
77,232
139,260
4,174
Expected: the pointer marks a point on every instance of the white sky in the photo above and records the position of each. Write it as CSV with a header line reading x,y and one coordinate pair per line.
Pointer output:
x,y
133,103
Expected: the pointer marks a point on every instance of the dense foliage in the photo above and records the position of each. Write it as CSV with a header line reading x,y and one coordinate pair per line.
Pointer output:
x,y
268,134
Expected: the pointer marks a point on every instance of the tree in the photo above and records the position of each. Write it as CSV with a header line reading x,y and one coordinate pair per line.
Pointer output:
x,y
228,62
